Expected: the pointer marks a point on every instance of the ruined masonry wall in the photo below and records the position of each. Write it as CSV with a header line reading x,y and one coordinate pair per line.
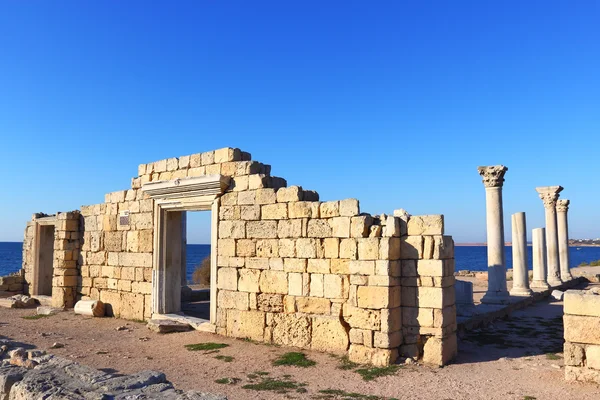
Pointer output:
x,y
582,336
291,270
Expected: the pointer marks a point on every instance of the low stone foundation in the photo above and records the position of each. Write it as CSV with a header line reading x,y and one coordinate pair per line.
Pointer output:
x,y
11,283
582,336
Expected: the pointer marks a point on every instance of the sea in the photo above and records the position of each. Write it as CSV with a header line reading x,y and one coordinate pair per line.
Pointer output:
x,y
472,258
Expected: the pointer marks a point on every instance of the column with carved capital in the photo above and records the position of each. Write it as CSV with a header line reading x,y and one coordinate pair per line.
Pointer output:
x,y
493,179
562,208
549,195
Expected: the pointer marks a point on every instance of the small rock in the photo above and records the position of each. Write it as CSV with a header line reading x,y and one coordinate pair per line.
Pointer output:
x,y
122,328
102,352
19,352
557,295
167,326
409,361
23,362
57,346
144,339
555,366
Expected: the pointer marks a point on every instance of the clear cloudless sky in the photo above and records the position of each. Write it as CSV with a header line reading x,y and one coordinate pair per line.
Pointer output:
x,y
395,103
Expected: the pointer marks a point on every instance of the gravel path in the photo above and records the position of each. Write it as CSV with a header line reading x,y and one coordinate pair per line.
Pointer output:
x,y
512,359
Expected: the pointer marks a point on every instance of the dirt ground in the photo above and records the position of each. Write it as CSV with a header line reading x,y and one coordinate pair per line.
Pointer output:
x,y
518,358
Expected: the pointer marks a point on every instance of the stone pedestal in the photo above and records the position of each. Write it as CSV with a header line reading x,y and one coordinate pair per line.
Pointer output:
x,y
549,195
519,253
562,208
539,259
493,179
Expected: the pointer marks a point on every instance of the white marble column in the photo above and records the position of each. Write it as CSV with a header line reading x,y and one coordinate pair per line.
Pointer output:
x,y
493,179
562,208
538,238
520,280
549,195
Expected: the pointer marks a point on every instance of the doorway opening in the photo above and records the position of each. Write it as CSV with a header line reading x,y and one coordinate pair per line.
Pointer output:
x,y
44,263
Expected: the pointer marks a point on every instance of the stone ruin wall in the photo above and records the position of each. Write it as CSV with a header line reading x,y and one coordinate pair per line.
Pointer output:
x,y
290,269
582,336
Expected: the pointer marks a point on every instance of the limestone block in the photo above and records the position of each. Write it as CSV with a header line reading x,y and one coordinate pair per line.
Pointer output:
x,y
227,278
123,286
294,264
335,286
331,247
141,287
291,330
258,181
349,208
307,248
113,241
392,227
362,267
233,300
362,318
320,266
440,351
195,160
273,282
340,226
248,281
250,213
391,319
582,374
265,196
390,248
246,324
313,305
245,248
303,209
433,297
378,357
411,247
329,334
582,329
257,263
426,225
112,303
274,211
360,226
233,229
227,154
229,168
430,268
208,158
289,194
267,248
240,183
378,297
580,302
134,259
348,249
289,228
316,285
261,229
387,340
229,212
592,357
415,316
375,280
247,197
319,228
330,209
287,248
311,195
388,268
298,284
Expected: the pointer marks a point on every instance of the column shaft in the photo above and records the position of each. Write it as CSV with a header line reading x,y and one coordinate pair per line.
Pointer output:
x,y
552,248
539,259
519,255
562,208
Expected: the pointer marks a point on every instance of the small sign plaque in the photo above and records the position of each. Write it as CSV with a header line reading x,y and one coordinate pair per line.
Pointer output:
x,y
124,218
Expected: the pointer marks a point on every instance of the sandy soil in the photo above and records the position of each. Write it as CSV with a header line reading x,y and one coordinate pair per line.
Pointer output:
x,y
506,361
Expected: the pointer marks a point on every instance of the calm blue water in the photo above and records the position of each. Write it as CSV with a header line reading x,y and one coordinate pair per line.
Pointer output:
x,y
473,258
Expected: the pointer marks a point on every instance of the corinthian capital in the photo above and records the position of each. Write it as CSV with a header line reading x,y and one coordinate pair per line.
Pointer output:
x,y
549,195
493,176
562,205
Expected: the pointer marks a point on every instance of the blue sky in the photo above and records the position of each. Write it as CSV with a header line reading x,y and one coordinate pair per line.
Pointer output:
x,y
394,103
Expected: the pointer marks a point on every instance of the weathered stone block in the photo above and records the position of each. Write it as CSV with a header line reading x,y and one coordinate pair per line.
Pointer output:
x,y
291,330
378,357
335,286
261,229
313,305
316,285
289,194
287,248
426,225
433,297
294,265
274,211
387,340
289,228
582,329
235,229
303,209
430,268
267,248
270,302
362,267
580,302
246,324
226,247
233,300
320,266
362,318
440,351
340,226
368,248
378,297
340,266
319,228
248,281
330,209
250,213
348,249
265,196
329,334
349,208
257,263
411,247
227,278
273,282
226,154
360,226
307,248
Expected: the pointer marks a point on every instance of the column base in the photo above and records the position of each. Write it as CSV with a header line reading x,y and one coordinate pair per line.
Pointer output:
x,y
496,298
539,285
554,283
521,292
566,278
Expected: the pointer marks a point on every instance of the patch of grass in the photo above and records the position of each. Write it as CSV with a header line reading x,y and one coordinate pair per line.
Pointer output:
x,y
252,376
552,356
36,316
205,346
346,364
263,373
227,381
225,358
271,384
347,395
369,374
529,398
295,359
